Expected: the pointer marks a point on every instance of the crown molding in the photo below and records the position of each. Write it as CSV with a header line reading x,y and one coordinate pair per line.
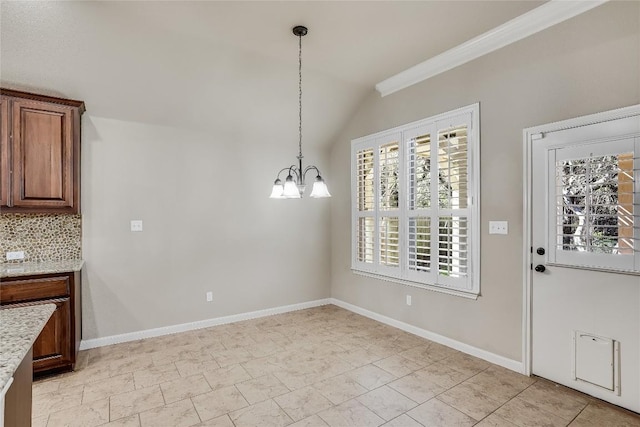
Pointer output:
x,y
534,21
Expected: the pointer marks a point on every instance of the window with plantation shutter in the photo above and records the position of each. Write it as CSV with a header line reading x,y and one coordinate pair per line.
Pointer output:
x,y
415,203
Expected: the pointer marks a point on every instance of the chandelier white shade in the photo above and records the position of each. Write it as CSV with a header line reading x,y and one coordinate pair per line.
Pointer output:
x,y
294,184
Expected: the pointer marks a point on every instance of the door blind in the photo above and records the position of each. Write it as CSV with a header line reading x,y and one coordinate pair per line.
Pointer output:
x,y
595,206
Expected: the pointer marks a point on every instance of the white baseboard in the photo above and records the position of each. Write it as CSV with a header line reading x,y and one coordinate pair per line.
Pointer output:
x,y
496,359
184,327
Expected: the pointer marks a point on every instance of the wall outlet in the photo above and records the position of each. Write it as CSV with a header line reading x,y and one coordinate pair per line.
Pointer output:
x,y
209,296
15,255
136,225
498,227
408,299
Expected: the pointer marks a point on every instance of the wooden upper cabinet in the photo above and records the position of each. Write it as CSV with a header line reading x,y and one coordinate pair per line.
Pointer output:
x,y
43,153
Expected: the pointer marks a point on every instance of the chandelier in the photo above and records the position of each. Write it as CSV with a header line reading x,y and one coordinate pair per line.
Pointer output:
x,y
294,184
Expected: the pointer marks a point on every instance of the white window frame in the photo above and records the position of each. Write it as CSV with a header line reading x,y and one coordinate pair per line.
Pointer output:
x,y
469,287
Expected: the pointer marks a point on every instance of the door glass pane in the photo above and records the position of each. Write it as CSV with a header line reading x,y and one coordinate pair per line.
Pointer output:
x,y
594,204
419,158
453,176
389,241
389,176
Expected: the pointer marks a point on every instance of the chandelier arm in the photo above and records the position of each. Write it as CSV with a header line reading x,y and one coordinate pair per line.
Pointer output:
x,y
281,170
294,170
307,169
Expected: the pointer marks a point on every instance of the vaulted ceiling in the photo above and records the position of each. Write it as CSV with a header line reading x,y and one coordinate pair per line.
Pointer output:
x,y
230,66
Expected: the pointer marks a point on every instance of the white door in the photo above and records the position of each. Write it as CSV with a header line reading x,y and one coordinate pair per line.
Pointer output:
x,y
585,259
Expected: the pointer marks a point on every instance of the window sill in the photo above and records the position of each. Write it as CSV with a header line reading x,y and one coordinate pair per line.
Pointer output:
x,y
449,291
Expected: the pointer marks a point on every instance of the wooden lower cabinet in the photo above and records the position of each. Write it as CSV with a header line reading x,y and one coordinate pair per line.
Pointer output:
x,y
57,346
52,350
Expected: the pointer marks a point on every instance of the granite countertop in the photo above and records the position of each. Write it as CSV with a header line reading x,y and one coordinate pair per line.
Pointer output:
x,y
19,328
42,267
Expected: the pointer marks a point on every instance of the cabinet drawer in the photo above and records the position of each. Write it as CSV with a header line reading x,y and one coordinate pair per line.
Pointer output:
x,y
33,289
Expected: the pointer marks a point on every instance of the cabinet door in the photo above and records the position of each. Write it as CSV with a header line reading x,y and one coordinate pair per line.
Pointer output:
x,y
42,145
51,348
5,166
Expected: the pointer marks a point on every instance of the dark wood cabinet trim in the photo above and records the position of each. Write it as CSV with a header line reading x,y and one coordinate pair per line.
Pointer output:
x,y
43,98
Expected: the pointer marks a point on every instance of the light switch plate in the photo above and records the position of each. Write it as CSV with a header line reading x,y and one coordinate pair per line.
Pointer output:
x,y
498,227
136,225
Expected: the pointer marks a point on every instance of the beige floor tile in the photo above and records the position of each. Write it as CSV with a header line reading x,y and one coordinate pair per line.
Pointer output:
x,y
46,403
263,349
42,387
442,375
263,414
386,402
424,354
132,402
185,353
226,376
231,356
359,356
222,421
312,421
416,388
371,376
106,388
469,400
398,365
155,375
177,414
189,367
555,399
40,421
89,415
339,389
309,356
494,420
350,413
599,413
302,403
262,388
403,420
435,413
466,364
262,366
525,414
500,383
218,402
184,388
89,374
130,421
130,364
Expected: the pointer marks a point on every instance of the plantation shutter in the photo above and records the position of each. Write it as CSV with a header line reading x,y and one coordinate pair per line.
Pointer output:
x,y
452,238
413,203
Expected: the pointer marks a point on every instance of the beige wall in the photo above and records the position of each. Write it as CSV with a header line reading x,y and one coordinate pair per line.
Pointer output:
x,y
588,64
208,226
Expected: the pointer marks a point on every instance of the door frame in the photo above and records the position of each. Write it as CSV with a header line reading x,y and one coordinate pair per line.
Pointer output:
x,y
529,136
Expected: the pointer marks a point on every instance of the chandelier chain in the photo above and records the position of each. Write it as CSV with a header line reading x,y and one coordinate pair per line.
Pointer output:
x,y
300,96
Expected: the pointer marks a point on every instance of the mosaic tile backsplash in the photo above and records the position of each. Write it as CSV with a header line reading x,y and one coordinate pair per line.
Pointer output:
x,y
42,237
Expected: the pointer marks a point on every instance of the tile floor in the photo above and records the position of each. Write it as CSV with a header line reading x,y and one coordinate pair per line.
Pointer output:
x,y
319,367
